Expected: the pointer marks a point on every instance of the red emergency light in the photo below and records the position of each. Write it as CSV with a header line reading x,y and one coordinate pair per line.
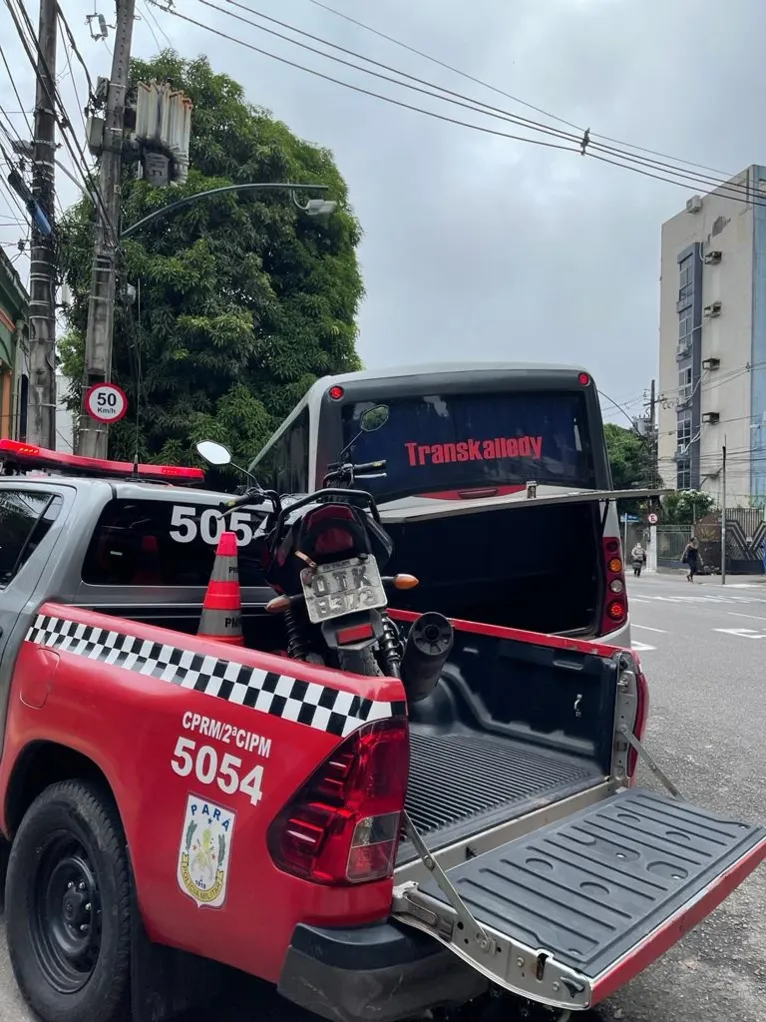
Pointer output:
x,y
40,458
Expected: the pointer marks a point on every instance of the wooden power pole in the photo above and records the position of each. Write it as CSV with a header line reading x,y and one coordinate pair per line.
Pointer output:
x,y
41,427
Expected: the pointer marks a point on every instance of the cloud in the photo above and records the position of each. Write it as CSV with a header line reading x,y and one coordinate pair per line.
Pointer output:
x,y
475,245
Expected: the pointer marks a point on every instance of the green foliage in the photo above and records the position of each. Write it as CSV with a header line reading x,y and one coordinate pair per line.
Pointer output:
x,y
684,507
632,463
243,301
630,457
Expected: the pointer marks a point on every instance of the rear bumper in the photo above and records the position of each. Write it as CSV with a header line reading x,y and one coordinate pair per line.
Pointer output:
x,y
381,972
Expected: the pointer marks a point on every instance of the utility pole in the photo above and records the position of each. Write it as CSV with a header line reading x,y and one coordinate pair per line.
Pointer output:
x,y
92,435
42,276
723,515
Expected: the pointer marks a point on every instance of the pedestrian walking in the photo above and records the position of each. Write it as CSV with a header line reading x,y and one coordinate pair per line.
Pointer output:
x,y
638,557
692,558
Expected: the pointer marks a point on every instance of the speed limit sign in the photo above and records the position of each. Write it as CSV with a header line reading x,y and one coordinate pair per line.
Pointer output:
x,y
653,518
106,402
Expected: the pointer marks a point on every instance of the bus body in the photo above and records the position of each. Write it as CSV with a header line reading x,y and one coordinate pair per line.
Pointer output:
x,y
458,433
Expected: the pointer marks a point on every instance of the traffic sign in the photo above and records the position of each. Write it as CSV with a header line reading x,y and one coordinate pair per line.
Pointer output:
x,y
652,518
106,402
629,518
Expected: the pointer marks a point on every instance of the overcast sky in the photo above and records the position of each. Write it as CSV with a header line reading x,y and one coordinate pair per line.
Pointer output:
x,y
475,245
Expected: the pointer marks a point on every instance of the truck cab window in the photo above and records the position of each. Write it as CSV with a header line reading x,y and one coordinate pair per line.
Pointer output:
x,y
25,517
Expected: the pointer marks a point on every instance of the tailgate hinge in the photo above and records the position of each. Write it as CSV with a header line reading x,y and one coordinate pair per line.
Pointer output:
x,y
531,973
650,762
481,937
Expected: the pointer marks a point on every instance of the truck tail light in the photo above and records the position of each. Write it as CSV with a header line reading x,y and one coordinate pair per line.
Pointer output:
x,y
615,612
343,826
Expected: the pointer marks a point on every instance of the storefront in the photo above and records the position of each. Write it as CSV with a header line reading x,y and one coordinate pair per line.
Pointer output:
x,y
14,352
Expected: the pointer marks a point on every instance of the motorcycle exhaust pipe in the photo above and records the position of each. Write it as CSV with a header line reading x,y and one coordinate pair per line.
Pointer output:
x,y
425,654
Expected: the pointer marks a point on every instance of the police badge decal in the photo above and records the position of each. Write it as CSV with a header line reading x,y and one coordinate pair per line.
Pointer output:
x,y
203,858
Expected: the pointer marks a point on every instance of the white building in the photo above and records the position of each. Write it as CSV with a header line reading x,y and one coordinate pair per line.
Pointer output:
x,y
712,388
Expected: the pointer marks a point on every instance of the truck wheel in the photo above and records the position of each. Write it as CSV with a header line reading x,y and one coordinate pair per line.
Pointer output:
x,y
67,904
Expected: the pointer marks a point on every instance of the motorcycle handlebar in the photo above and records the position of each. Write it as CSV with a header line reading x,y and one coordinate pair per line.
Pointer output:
x,y
252,496
370,466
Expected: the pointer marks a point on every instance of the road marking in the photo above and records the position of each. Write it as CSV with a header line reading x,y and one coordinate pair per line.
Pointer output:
x,y
733,613
662,631
640,647
742,633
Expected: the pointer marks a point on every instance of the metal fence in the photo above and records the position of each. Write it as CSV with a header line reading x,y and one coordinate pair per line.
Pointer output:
x,y
671,540
745,542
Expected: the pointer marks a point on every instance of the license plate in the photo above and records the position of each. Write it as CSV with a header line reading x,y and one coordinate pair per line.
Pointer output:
x,y
332,590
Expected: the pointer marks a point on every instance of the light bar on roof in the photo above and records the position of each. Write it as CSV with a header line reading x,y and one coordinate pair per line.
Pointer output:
x,y
39,457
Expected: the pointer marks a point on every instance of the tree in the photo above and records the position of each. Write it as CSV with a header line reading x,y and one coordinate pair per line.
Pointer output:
x,y
241,301
685,507
632,463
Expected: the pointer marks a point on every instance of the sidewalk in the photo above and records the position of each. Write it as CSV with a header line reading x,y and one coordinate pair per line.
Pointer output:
x,y
680,573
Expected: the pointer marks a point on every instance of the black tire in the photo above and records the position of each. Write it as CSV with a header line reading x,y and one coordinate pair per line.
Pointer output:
x,y
359,661
68,906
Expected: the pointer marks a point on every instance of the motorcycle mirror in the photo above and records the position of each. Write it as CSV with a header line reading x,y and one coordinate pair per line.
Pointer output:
x,y
374,418
214,453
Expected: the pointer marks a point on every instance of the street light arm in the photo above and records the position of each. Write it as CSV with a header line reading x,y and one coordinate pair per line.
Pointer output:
x,y
189,199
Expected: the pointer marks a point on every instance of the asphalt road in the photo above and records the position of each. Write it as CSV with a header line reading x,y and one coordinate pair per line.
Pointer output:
x,y
703,648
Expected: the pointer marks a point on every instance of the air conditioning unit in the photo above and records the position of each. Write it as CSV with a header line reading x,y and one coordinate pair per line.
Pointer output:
x,y
711,257
694,204
711,363
711,417
712,310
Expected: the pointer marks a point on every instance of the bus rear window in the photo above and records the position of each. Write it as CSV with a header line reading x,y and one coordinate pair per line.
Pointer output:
x,y
442,445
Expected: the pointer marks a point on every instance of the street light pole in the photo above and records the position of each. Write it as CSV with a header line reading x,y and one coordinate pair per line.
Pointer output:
x,y
263,186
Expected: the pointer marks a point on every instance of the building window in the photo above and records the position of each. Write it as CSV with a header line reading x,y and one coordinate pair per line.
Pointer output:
x,y
684,476
684,385
685,325
684,432
686,279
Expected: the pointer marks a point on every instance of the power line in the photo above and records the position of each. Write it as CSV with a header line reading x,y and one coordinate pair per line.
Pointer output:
x,y
16,92
155,21
359,88
507,95
76,152
491,110
78,55
585,146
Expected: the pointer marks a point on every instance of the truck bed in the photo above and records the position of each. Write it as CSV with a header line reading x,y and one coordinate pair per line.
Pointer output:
x,y
463,782
517,722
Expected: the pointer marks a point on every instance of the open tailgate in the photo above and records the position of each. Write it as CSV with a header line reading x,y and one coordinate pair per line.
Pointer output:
x,y
571,912
420,510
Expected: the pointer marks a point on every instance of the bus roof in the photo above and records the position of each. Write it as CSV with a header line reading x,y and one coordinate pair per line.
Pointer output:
x,y
429,368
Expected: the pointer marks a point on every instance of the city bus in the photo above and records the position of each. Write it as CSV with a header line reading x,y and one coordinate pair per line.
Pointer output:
x,y
523,441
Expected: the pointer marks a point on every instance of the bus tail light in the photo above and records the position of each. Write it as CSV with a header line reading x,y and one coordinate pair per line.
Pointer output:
x,y
615,611
343,826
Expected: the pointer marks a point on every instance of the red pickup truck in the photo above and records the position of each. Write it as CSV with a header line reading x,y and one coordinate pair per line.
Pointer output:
x,y
175,806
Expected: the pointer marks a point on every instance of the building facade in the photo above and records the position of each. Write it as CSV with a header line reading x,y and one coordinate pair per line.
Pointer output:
x,y
712,384
14,352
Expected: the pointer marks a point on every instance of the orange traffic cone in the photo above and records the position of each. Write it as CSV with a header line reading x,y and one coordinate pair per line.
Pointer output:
x,y
222,610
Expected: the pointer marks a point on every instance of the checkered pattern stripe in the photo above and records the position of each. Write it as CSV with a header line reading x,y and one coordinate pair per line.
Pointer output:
x,y
304,702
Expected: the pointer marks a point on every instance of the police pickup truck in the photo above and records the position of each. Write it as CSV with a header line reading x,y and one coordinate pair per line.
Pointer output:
x,y
176,807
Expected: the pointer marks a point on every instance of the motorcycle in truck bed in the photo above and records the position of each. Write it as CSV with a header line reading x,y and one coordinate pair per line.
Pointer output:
x,y
176,805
